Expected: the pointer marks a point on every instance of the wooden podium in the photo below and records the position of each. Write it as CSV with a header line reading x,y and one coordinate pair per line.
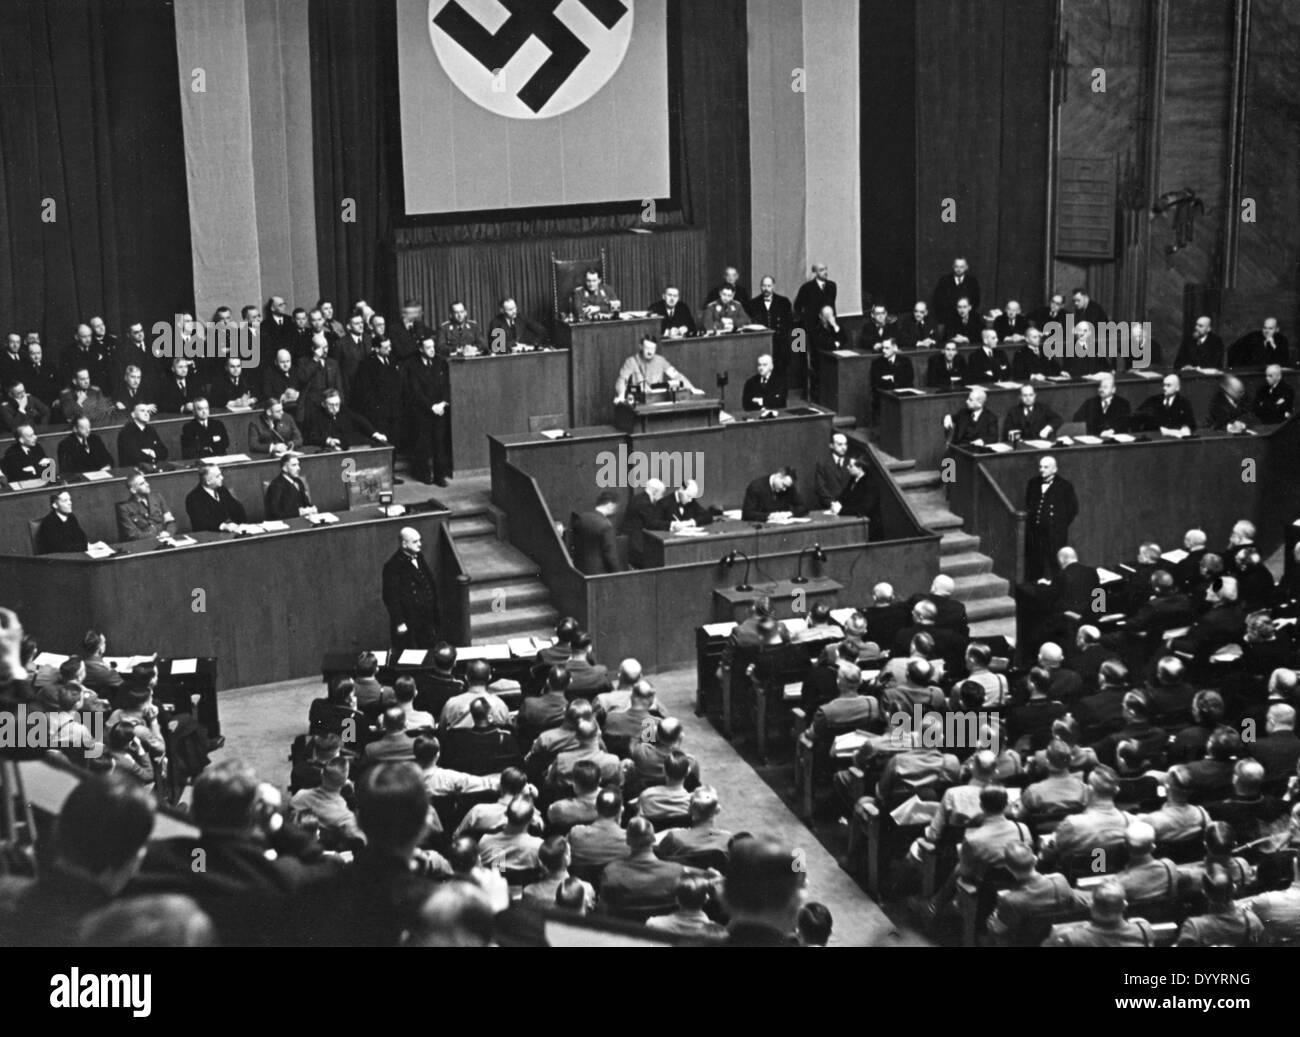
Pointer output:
x,y
597,351
662,414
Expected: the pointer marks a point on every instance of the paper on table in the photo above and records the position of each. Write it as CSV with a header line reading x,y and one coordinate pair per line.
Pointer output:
x,y
185,541
381,657
849,743
1123,437
99,549
1106,576
719,629
841,616
1176,433
489,652
1007,385
792,692
1089,440
691,531
412,657
1000,448
845,352
96,476
914,811
1175,556
795,625
1144,372
183,666
1039,444
275,526
226,459
50,659
733,515
910,392
521,647
553,433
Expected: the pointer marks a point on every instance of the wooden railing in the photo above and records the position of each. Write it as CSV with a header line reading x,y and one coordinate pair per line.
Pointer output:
x,y
1001,526
531,528
454,588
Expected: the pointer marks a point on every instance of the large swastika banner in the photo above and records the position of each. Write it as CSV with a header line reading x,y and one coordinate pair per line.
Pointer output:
x,y
516,104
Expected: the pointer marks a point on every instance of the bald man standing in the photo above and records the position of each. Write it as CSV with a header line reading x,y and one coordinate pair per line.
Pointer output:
x,y
1051,505
411,595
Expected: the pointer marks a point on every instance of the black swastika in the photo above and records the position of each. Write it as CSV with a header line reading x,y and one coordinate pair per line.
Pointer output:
x,y
528,18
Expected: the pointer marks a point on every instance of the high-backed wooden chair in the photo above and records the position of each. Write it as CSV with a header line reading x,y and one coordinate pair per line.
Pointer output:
x,y
568,274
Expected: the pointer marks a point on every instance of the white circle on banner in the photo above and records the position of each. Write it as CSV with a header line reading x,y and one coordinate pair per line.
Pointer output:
x,y
530,59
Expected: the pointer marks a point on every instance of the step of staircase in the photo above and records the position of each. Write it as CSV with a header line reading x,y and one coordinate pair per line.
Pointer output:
x,y
529,621
986,610
500,595
466,527
932,510
487,559
965,563
980,586
918,479
957,541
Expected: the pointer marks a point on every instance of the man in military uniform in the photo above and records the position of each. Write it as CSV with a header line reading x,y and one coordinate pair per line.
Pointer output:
x,y
724,315
460,335
593,298
1107,927
143,514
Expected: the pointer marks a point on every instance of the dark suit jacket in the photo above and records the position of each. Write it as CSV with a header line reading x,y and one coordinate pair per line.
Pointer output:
x,y
1092,313
284,498
36,414
669,511
19,464
861,499
760,501
937,375
1116,418
350,355
207,515
406,343
377,391
972,328
132,439
348,427
426,385
594,545
197,441
1051,515
1152,414
1274,404
829,480
967,429
411,596
1029,426
680,317
1201,354
74,457
503,335
58,534
223,390
312,380
1224,411
810,299
172,398
873,335
1007,326
911,331
642,514
943,304
950,614
773,394
1250,350
779,317
1027,363
1072,587
885,621
981,368
895,375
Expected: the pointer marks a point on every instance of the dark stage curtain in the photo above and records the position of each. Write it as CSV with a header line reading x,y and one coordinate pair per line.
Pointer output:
x,y
982,76
356,128
888,97
90,117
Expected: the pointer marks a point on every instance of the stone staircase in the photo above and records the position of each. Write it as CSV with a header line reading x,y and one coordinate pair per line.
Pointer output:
x,y
989,605
507,597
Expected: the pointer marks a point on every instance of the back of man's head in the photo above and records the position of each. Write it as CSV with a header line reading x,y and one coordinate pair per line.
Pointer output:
x,y
1058,756
814,924
478,674
1224,744
103,824
585,777
1019,859
676,767
393,806
480,711
1109,902
1113,674
394,720
225,796
588,731
513,781
609,803
1104,782
519,813
456,914
1248,778
552,854
993,800
640,835
1140,838
704,804
670,731
629,672
764,877
149,922
920,673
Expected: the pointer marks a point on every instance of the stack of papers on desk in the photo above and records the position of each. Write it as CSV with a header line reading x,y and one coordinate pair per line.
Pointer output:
x,y
527,647
719,629
248,529
99,549
412,657
125,662
227,459
914,811
27,484
1007,385
841,616
848,743
1039,444
1058,377
488,652
1176,433
1176,555
1106,576
51,659
1145,372
1000,448
1123,437
553,433
691,531
1089,440
910,392
322,518
96,476
275,526
733,515
237,408
791,521
845,352
185,541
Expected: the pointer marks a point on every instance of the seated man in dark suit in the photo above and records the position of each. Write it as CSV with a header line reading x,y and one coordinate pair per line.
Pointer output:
x,y
83,451
988,363
595,547
889,371
1203,349
20,407
205,436
1228,411
947,370
1031,419
772,495
1105,414
1275,401
211,507
138,444
918,329
878,329
1011,324
26,459
674,314
287,495
176,396
886,616
682,508
1224,622
509,331
335,427
1261,347
765,390
60,530
643,512
964,326
973,425
1029,362
233,386
1169,409
949,613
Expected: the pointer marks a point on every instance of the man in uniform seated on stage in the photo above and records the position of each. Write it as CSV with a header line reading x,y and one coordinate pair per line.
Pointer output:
x,y
682,509
211,507
83,451
287,495
765,390
138,444
772,497
648,369
595,548
204,436
1031,419
143,514
274,433
1029,363
336,427
947,370
593,297
510,332
1276,400
26,459
973,425
1104,414
1168,409
460,336
723,315
60,530
674,315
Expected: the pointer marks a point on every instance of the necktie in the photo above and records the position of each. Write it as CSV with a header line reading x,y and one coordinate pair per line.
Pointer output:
x,y
1105,406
